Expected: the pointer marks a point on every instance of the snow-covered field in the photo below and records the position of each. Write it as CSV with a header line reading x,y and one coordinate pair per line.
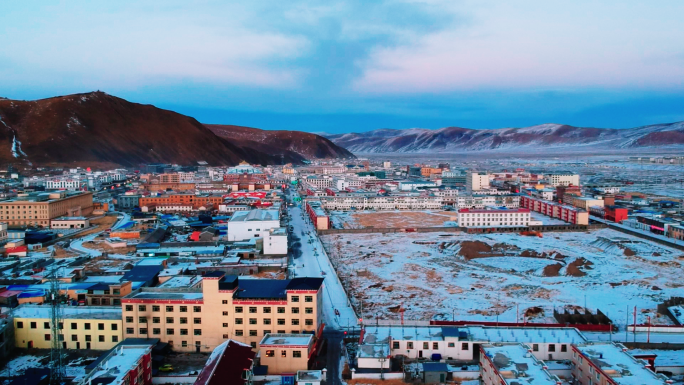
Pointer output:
x,y
440,276
391,219
75,364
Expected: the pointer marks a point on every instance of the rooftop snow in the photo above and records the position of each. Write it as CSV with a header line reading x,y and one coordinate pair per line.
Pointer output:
x,y
69,312
284,339
619,365
255,215
516,365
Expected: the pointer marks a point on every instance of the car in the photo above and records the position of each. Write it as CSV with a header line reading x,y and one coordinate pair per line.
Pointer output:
x,y
166,368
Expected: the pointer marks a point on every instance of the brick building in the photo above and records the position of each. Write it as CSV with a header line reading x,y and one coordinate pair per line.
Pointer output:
x,y
37,209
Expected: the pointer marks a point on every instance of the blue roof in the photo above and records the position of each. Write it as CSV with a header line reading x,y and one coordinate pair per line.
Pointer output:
x,y
262,288
144,273
449,331
435,367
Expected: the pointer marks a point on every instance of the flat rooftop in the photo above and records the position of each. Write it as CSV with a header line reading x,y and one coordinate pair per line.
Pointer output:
x,y
620,366
166,295
381,334
69,312
255,215
119,363
516,365
286,339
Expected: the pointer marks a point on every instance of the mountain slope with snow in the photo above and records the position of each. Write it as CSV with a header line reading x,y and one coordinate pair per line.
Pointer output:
x,y
544,137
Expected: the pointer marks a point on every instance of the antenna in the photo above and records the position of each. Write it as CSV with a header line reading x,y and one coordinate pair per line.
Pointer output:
x,y
57,372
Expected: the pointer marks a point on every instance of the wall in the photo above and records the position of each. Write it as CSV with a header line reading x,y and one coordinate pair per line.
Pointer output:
x,y
111,337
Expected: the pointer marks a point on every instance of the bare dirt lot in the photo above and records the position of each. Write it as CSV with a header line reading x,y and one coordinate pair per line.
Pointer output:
x,y
502,276
400,219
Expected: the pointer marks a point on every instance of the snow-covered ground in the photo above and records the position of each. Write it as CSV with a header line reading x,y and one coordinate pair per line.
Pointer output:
x,y
424,273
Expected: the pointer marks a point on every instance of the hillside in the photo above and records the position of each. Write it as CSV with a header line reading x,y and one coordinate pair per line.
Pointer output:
x,y
542,138
99,129
307,145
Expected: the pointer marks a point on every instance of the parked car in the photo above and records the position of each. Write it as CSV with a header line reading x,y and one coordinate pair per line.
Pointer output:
x,y
166,368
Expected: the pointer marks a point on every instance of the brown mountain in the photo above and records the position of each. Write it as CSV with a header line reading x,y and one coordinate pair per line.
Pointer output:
x,y
307,145
96,129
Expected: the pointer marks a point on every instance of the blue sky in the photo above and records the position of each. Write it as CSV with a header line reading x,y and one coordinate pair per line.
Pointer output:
x,y
343,66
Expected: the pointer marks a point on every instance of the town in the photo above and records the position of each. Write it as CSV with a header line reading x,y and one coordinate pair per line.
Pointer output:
x,y
357,271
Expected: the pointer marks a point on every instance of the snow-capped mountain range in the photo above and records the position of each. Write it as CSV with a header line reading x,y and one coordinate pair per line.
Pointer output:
x,y
542,138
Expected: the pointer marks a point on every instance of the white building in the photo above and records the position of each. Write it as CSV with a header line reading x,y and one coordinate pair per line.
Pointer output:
x,y
411,185
275,242
390,202
476,181
563,179
244,225
493,218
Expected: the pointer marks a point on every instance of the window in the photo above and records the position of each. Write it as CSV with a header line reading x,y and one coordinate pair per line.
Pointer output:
x,y
267,332
451,345
395,344
197,321
20,325
252,309
115,338
198,332
225,313
267,310
426,345
238,309
46,325
252,321
86,326
535,347
142,307
564,348
295,310
308,310
224,302
115,327
281,310
156,320
130,331
197,309
156,331
88,339
267,321
184,332
253,345
238,321
184,344
183,320
169,332
552,347
183,309
283,353
269,353
142,320
74,337
238,333
282,331
101,338
308,322
295,298
143,330
100,326
74,326
308,298
156,308
129,307
297,353
129,320
252,333
169,309
226,336
47,337
464,346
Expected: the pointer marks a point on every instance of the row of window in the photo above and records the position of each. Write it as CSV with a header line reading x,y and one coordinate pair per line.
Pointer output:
x,y
73,326
426,345
283,353
157,331
238,309
169,308
88,338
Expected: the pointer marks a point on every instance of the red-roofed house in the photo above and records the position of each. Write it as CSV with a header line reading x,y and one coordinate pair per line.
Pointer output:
x,y
230,363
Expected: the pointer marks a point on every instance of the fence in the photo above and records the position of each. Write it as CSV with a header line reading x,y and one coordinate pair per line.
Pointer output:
x,y
471,230
581,327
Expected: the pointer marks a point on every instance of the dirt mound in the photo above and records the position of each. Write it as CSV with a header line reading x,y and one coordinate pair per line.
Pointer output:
x,y
533,312
552,270
629,252
575,267
473,249
394,309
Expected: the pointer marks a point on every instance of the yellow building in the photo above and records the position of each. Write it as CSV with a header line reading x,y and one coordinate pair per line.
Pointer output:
x,y
40,207
285,353
224,308
91,327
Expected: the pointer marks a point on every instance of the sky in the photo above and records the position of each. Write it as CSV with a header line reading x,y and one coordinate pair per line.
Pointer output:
x,y
350,66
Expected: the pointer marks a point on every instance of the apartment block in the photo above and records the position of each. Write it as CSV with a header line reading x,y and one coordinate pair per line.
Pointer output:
x,y
563,179
610,364
476,181
568,214
513,364
37,209
225,307
493,218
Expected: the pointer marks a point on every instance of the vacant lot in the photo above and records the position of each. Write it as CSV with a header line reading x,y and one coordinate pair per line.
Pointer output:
x,y
401,219
485,277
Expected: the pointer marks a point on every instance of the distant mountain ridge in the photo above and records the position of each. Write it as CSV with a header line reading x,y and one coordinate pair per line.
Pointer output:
x,y
100,130
542,137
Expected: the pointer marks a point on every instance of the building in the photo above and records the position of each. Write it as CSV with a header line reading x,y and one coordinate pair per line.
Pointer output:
x,y
513,364
127,202
225,307
3,232
610,213
129,363
256,223
231,362
415,185
195,201
381,202
493,218
285,353
275,242
108,294
70,223
610,364
317,214
476,181
89,327
583,203
568,214
37,209
563,179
